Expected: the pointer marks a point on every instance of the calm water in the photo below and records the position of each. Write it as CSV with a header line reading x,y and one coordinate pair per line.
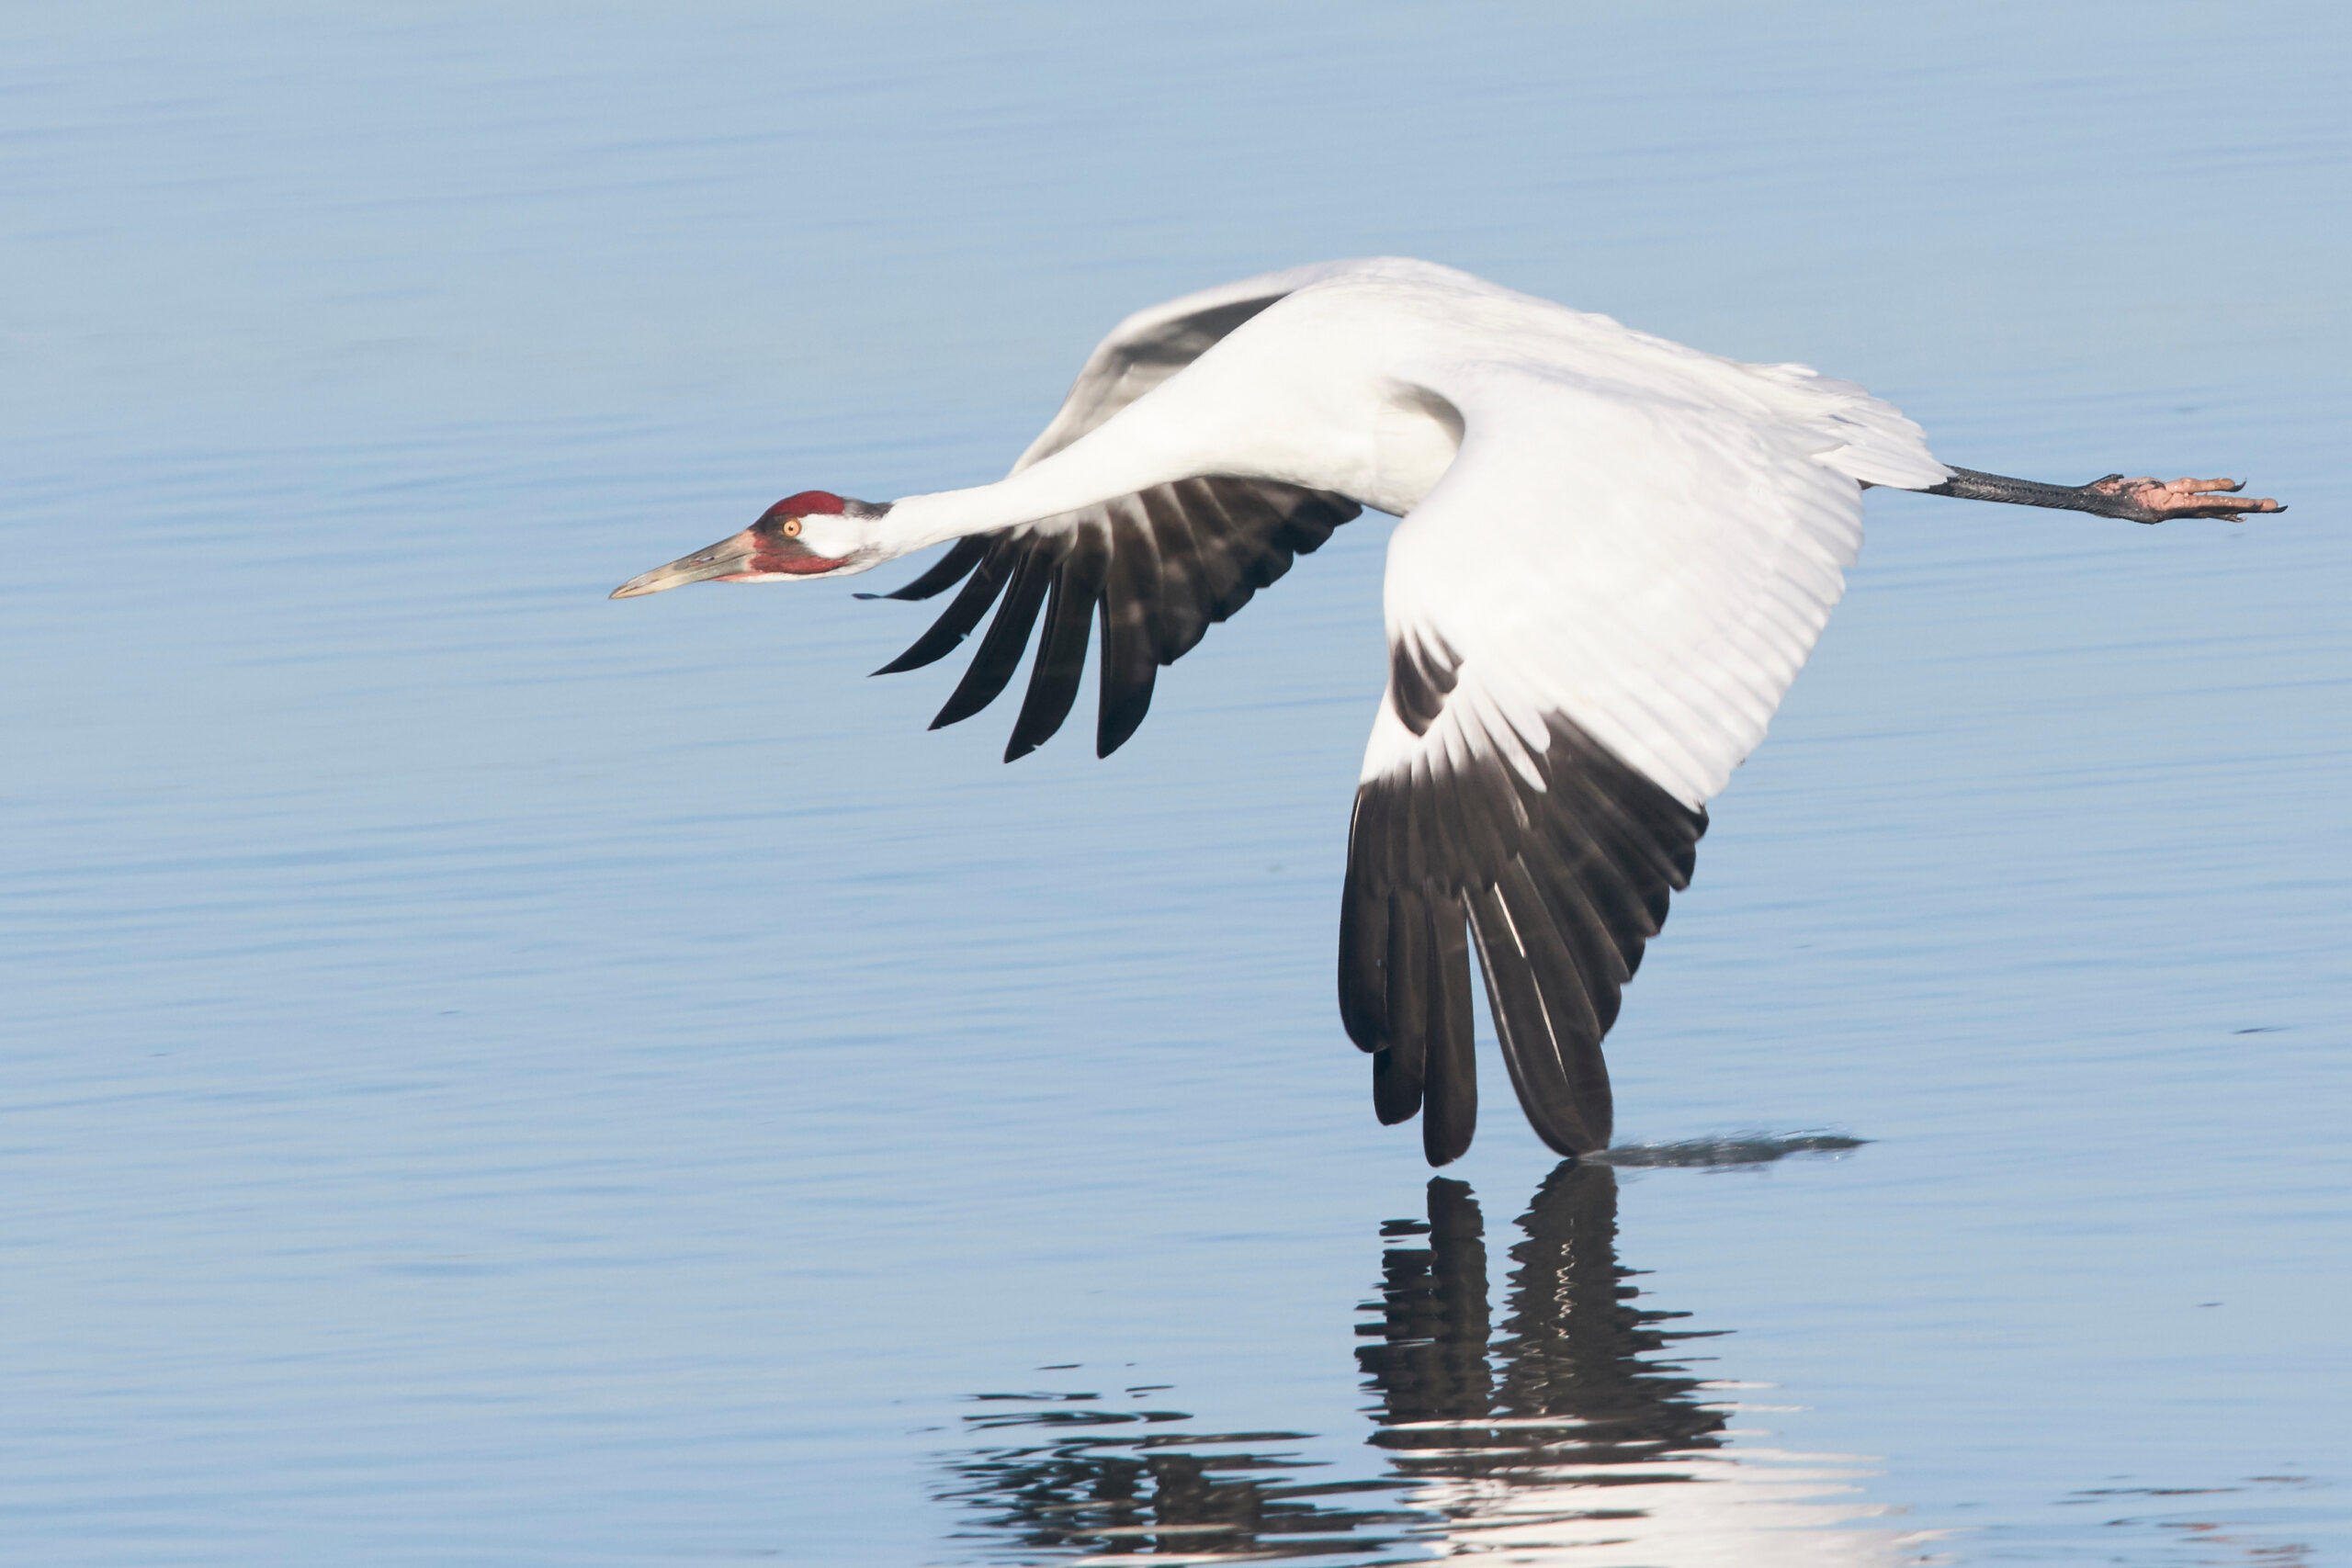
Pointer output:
x,y
497,1077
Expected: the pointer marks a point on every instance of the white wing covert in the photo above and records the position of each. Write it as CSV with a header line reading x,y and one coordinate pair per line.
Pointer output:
x,y
1591,619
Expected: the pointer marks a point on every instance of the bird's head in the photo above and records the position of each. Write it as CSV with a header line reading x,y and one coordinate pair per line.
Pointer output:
x,y
814,533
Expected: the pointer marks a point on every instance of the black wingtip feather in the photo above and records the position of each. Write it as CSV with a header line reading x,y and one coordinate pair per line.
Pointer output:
x,y
1561,882
963,613
1165,563
1007,638
944,573
1449,1069
1395,1086
1515,1000
1122,716
1130,663
1363,932
1061,650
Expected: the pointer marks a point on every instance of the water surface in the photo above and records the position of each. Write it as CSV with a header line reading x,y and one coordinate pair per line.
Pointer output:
x,y
497,1077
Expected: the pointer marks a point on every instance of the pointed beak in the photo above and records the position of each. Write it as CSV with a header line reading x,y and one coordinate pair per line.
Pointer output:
x,y
726,559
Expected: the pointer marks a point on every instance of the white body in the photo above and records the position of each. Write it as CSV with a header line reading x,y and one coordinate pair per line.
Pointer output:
x,y
1615,554
1601,523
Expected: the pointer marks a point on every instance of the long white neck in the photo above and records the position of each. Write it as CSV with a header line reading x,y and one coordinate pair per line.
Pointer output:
x,y
1120,459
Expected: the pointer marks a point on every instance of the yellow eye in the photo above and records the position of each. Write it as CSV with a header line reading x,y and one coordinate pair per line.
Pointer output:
x,y
792,528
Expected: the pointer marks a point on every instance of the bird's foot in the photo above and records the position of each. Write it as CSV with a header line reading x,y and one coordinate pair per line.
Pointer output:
x,y
2157,501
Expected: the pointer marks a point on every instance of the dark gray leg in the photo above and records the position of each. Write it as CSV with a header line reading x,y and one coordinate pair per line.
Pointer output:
x,y
2141,501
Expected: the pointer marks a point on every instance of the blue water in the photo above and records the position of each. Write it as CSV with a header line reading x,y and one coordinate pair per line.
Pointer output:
x,y
497,1077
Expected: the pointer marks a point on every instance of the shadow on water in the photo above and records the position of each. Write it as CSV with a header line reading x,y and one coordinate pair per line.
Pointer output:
x,y
1573,1430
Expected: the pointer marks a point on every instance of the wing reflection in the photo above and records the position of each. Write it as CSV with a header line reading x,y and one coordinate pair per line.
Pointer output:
x,y
1576,1368
1574,1435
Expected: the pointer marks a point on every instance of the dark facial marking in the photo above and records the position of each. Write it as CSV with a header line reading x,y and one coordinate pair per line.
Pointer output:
x,y
801,565
778,536
809,502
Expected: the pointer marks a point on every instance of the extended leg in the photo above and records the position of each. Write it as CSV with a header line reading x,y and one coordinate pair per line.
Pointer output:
x,y
2141,501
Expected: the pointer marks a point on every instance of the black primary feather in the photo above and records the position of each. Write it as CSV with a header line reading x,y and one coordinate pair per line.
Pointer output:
x,y
964,612
1156,568
1006,640
1559,885
944,573
1061,649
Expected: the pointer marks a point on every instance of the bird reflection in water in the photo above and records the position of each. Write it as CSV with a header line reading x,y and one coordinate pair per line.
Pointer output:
x,y
1574,1432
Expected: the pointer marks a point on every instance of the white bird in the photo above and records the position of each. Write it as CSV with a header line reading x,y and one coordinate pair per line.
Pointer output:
x,y
1615,553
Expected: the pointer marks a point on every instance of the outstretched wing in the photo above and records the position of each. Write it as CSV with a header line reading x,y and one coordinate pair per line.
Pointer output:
x,y
1156,568
1591,620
